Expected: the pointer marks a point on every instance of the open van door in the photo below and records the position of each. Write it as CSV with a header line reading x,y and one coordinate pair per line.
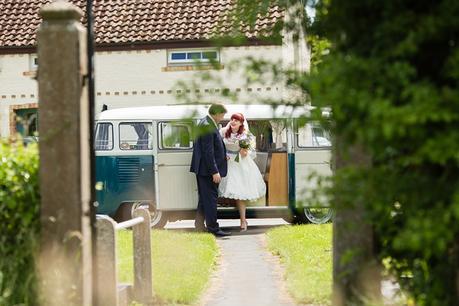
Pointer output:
x,y
312,158
177,189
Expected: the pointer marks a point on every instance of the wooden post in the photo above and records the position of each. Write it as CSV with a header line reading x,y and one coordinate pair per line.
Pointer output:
x,y
143,290
107,291
65,255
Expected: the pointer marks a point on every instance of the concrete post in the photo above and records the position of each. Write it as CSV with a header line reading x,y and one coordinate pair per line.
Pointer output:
x,y
143,290
65,256
107,291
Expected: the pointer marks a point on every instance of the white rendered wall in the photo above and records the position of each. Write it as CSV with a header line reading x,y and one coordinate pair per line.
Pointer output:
x,y
137,78
16,86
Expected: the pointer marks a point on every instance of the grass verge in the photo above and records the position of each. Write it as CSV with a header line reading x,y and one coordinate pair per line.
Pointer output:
x,y
306,252
182,264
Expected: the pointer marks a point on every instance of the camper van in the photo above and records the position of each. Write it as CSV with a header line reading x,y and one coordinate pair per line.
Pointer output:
x,y
143,157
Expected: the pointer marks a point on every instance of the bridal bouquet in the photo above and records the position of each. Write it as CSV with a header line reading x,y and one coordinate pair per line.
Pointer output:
x,y
243,144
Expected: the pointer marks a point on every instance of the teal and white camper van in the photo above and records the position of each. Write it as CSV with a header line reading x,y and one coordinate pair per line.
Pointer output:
x,y
143,158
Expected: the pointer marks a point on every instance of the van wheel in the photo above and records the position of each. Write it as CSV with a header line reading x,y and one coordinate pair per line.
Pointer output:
x,y
124,212
158,218
316,215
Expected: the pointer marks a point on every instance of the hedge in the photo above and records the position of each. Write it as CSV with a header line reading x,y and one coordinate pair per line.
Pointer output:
x,y
19,223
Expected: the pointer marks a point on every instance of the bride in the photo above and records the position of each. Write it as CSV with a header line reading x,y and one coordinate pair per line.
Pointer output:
x,y
243,182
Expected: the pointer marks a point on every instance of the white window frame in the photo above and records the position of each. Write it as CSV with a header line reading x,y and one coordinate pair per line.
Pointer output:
x,y
187,61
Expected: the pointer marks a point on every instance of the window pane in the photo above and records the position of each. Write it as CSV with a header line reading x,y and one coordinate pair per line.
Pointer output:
x,y
209,55
178,56
104,137
26,121
312,135
175,136
136,136
194,55
279,134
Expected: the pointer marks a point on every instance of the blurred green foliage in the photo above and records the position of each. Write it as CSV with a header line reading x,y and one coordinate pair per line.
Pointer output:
x,y
19,223
391,79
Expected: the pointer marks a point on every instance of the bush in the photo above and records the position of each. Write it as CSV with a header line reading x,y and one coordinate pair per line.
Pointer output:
x,y
19,223
391,80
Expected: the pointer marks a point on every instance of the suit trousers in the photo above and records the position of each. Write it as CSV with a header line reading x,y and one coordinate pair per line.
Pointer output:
x,y
207,204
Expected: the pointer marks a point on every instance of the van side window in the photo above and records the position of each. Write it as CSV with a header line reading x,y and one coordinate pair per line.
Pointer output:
x,y
175,135
313,136
104,137
135,136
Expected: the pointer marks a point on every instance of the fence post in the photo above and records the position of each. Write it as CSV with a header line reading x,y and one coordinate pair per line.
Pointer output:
x,y
65,260
107,293
143,290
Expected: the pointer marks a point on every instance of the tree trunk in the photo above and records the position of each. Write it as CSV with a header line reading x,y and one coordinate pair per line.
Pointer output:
x,y
356,273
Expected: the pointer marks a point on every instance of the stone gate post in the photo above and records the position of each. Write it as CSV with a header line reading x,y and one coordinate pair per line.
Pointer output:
x,y
65,250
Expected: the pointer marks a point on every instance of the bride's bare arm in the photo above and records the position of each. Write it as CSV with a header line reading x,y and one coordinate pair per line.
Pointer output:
x,y
253,146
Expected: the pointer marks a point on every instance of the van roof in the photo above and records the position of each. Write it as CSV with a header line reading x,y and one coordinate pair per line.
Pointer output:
x,y
171,112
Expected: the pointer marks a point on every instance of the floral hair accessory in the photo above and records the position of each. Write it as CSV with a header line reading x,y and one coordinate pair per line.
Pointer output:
x,y
238,116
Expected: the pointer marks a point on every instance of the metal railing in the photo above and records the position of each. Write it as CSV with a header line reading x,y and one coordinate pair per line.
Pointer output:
x,y
109,290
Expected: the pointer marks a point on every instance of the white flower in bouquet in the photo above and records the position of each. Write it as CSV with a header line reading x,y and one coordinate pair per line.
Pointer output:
x,y
244,143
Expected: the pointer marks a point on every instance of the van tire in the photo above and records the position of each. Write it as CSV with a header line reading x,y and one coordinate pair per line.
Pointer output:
x,y
123,213
158,218
309,215
290,218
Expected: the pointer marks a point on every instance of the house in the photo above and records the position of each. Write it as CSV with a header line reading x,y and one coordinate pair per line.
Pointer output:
x,y
143,48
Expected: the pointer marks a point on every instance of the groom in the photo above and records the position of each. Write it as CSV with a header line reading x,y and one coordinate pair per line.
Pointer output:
x,y
210,165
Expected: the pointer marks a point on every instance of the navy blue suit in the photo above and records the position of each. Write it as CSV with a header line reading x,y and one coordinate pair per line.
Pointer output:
x,y
209,157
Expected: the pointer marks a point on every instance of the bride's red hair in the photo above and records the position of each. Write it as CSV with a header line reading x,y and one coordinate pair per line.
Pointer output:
x,y
239,117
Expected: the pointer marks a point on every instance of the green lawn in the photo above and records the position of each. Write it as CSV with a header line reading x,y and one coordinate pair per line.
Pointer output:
x,y
306,252
182,263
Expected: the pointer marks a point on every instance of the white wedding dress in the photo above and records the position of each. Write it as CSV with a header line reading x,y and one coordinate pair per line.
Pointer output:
x,y
243,180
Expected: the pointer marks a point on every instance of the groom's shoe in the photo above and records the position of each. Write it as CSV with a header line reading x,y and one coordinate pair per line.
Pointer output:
x,y
221,233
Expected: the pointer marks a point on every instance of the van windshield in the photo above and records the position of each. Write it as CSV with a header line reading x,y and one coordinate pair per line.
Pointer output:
x,y
104,137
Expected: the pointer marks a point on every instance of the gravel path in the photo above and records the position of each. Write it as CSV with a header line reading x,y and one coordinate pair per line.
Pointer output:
x,y
247,274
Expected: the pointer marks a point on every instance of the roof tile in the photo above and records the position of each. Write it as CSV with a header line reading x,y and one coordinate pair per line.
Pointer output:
x,y
133,21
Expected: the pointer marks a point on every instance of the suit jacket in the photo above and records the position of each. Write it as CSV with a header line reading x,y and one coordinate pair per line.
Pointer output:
x,y
209,151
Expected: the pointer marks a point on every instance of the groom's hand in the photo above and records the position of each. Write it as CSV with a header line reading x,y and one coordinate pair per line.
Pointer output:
x,y
216,178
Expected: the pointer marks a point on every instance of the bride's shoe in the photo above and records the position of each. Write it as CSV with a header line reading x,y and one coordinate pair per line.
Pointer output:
x,y
244,227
